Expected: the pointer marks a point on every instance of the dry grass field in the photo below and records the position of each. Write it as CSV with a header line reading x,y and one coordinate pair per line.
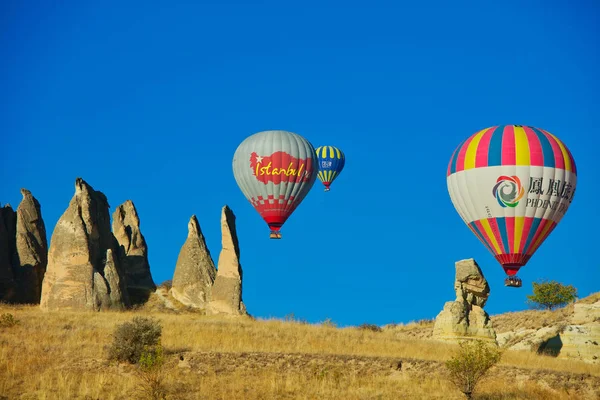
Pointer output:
x,y
62,355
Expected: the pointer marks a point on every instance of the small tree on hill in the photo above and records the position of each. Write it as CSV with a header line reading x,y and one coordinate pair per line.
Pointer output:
x,y
551,294
471,363
134,338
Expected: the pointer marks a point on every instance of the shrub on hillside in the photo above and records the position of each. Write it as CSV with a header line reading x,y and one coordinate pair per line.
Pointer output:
x,y
151,375
8,320
168,284
471,363
551,294
370,327
132,339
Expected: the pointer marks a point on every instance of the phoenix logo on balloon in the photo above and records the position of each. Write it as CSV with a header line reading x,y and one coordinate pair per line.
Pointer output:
x,y
508,191
280,167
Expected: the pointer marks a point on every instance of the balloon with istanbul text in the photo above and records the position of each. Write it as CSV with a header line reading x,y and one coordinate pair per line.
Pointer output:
x,y
331,163
275,170
512,185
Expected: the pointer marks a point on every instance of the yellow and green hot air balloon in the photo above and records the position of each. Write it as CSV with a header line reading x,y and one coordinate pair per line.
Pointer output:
x,y
331,162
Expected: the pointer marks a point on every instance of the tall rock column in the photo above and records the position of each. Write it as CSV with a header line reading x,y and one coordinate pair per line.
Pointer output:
x,y
465,318
8,285
133,252
31,249
226,293
81,247
195,270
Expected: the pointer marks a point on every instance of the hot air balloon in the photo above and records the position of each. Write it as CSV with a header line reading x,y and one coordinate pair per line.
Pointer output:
x,y
331,163
275,170
512,185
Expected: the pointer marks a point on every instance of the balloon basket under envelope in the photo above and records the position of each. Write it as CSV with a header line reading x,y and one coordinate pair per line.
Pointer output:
x,y
513,281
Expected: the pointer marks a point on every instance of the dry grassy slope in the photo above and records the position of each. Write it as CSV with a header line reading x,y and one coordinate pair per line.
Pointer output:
x,y
61,355
536,319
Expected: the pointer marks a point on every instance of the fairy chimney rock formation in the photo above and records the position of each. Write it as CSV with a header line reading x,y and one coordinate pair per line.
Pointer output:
x,y
31,248
81,269
8,285
195,270
226,294
133,252
470,284
465,318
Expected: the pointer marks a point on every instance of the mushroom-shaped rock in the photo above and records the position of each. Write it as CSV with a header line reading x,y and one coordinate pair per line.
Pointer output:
x,y
465,318
470,284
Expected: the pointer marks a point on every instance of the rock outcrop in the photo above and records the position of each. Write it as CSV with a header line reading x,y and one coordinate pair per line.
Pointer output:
x,y
8,285
82,272
572,332
465,318
23,251
133,252
195,270
116,288
469,284
226,293
31,249
581,342
580,339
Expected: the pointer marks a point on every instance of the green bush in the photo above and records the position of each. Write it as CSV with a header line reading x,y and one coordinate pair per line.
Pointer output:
x,y
551,294
8,320
132,339
150,373
471,363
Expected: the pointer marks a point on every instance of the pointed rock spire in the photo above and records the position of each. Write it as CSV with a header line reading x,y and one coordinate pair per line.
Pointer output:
x,y
195,270
133,252
8,285
32,249
226,294
75,277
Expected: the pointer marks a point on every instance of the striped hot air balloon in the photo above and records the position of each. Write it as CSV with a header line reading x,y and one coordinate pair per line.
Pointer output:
x,y
512,185
331,163
275,170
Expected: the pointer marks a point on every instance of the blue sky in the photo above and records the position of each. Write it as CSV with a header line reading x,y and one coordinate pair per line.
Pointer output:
x,y
148,101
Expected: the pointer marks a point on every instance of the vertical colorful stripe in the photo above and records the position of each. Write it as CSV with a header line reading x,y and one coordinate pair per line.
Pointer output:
x,y
511,145
512,240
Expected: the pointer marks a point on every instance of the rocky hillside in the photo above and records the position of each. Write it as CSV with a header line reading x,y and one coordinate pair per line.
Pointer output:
x,y
62,355
569,332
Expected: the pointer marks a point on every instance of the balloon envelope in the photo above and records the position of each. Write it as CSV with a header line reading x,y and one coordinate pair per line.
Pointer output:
x,y
275,170
512,185
331,164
